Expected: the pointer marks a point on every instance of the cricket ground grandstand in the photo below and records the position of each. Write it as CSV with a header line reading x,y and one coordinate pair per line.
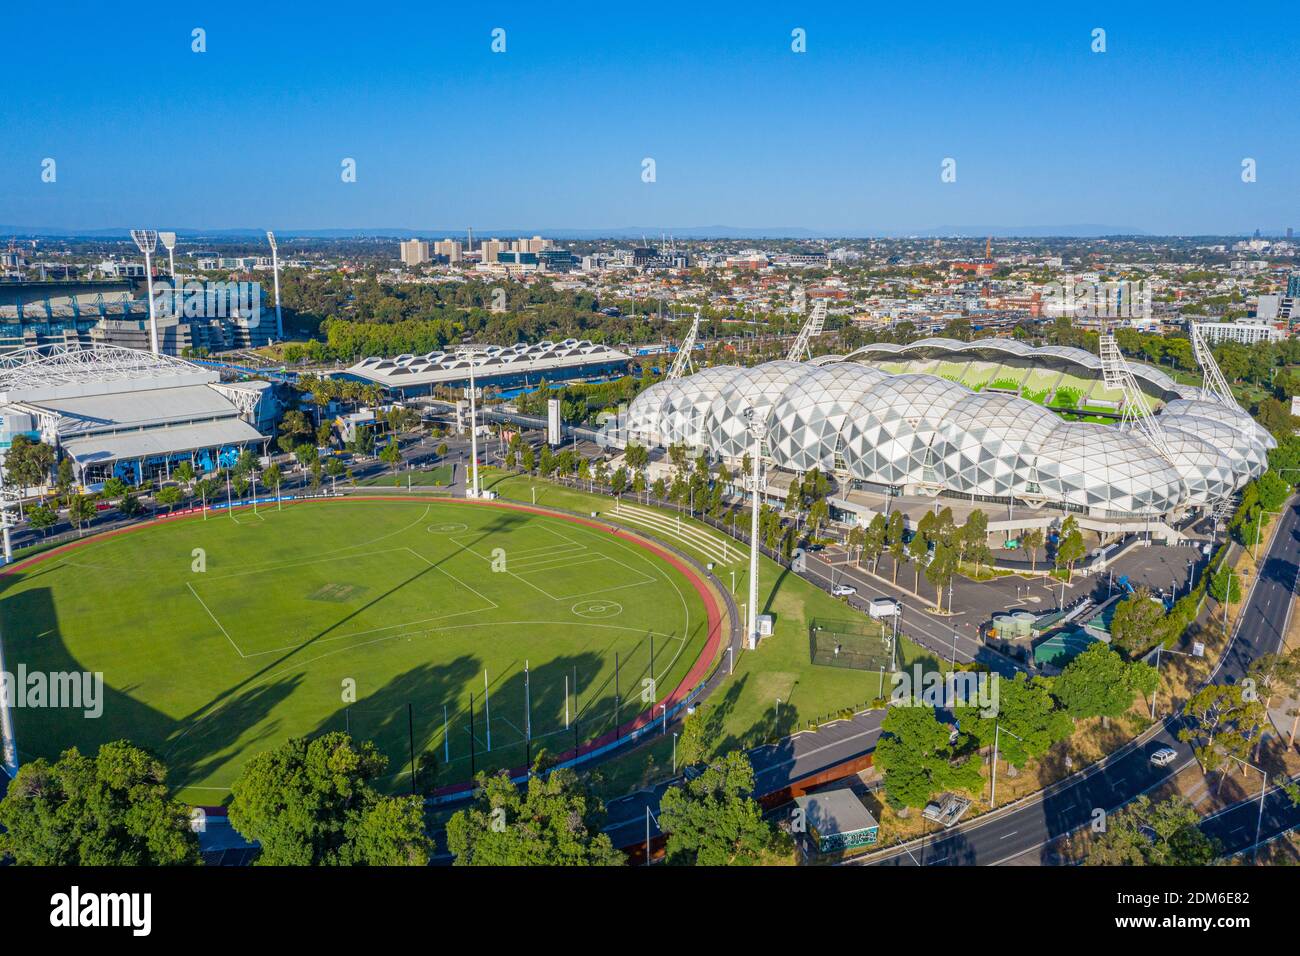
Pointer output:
x,y
993,420
122,412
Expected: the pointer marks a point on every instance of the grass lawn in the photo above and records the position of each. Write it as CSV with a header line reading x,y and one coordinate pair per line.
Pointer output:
x,y
745,708
337,615
439,475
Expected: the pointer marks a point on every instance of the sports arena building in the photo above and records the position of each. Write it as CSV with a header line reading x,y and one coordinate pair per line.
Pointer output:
x,y
993,421
493,365
121,412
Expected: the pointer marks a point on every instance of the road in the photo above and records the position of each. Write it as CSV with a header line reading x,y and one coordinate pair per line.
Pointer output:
x,y
1128,773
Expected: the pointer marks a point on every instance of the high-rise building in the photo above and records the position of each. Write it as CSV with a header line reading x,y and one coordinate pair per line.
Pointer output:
x,y
451,248
1293,286
491,248
415,252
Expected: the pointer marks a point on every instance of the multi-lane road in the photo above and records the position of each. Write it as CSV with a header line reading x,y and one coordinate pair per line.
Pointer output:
x,y
1041,821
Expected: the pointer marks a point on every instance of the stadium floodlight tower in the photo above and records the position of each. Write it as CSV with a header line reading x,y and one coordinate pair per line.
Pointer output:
x,y
1214,387
1137,414
758,431
275,272
9,503
168,239
146,240
803,341
470,353
683,357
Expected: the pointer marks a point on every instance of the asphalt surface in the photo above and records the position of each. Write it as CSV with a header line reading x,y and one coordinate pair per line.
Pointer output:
x,y
1128,773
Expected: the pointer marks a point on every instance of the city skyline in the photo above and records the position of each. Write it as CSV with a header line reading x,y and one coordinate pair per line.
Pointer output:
x,y
846,139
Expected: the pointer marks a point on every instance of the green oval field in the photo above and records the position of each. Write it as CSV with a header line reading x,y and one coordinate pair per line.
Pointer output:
x,y
218,638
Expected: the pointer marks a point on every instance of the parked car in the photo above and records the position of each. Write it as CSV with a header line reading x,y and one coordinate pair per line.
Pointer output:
x,y
1164,756
843,590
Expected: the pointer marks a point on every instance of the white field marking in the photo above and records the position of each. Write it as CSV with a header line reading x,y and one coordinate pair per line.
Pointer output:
x,y
215,621
386,627
429,632
557,561
302,564
382,537
594,560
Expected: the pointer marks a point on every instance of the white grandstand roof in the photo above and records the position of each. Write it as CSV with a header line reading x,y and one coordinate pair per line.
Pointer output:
x,y
64,371
112,412
493,361
149,442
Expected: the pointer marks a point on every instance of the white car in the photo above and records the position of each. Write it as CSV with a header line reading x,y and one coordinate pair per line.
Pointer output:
x,y
843,590
1164,756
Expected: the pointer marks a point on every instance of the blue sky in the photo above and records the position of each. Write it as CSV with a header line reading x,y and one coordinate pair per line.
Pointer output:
x,y
846,138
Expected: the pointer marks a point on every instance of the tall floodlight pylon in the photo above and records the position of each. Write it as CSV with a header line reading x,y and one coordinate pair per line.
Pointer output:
x,y
683,357
1136,412
1214,385
757,431
8,520
146,240
275,272
471,352
803,342
168,239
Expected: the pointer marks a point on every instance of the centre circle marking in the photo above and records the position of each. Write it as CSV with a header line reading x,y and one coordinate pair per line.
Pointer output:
x,y
449,527
597,609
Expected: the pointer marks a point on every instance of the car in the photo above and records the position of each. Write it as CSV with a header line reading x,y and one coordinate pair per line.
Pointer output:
x,y
843,590
1164,756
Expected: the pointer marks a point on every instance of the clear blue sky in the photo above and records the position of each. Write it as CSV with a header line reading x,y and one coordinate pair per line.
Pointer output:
x,y
845,138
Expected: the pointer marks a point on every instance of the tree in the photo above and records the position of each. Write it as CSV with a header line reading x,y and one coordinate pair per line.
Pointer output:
x,y
112,809
1100,683
698,737
1139,622
1069,546
27,462
391,455
1146,834
1225,588
940,570
975,538
80,511
204,489
310,803
169,496
1222,721
1031,541
273,477
184,473
918,552
917,758
1028,713
554,821
713,820
856,541
894,541
42,517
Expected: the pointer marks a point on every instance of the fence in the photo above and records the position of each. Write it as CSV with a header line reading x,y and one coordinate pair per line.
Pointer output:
x,y
860,645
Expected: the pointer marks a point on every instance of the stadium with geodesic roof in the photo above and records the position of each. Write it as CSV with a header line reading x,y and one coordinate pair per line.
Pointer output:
x,y
992,420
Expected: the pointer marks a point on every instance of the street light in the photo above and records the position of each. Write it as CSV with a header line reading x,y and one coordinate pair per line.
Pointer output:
x,y
757,429
1259,819
146,240
993,791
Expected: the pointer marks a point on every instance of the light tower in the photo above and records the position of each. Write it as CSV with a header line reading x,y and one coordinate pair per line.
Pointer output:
x,y
168,239
757,430
275,271
9,501
470,353
146,240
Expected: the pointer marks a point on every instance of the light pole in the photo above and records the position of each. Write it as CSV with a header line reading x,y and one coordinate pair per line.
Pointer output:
x,y
168,239
993,791
757,429
146,240
275,272
1259,819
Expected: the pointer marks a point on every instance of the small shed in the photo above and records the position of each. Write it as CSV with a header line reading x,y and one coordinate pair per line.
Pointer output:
x,y
836,820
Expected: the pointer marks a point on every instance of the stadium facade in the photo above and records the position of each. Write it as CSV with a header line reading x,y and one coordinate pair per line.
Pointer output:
x,y
127,413
988,421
